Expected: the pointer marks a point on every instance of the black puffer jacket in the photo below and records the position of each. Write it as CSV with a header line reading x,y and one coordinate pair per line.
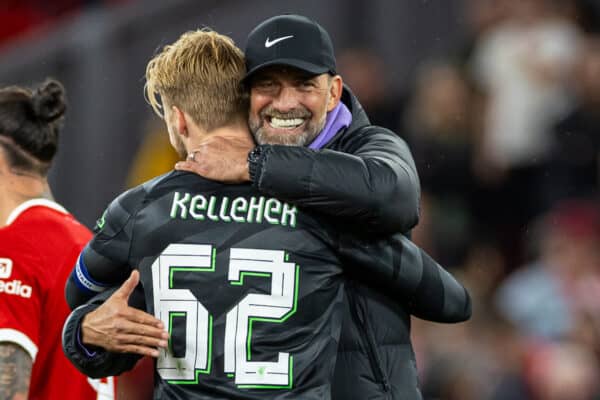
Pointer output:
x,y
366,176
374,187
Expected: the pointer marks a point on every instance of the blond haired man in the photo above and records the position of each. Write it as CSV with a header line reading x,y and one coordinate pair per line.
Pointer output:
x,y
248,286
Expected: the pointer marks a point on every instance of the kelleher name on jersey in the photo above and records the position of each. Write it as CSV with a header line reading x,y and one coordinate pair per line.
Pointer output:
x,y
239,209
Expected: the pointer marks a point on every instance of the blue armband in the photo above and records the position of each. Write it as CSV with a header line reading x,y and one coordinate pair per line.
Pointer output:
x,y
84,281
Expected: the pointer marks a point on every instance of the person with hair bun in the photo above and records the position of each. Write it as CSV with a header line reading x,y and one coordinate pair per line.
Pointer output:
x,y
39,242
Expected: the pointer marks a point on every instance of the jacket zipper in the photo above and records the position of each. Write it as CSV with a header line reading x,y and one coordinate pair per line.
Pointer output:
x,y
368,339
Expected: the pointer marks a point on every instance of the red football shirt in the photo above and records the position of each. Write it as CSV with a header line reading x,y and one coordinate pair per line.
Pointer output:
x,y
38,249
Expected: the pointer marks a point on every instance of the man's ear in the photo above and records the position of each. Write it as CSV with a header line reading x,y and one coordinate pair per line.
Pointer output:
x,y
335,92
179,120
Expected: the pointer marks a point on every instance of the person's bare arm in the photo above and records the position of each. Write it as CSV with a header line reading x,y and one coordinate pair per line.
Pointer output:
x,y
15,371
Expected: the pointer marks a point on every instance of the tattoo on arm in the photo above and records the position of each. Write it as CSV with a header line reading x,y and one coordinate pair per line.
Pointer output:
x,y
15,371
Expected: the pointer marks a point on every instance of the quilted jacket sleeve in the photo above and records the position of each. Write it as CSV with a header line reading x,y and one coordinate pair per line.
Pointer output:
x,y
368,177
405,272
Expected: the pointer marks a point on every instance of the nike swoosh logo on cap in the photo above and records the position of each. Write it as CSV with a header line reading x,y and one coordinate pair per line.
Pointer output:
x,y
269,43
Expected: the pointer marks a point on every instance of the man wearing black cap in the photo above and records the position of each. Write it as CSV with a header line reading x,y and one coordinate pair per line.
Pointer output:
x,y
304,120
335,162
297,99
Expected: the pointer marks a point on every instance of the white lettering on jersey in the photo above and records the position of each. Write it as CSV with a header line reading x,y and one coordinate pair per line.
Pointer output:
x,y
240,209
105,387
16,288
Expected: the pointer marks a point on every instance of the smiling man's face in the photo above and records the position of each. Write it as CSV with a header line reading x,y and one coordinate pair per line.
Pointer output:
x,y
289,106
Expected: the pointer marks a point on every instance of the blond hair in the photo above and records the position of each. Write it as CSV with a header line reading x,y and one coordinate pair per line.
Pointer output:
x,y
201,74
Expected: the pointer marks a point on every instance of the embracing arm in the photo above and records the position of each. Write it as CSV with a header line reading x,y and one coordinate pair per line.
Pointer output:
x,y
373,182
15,371
405,271
368,177
108,335
92,361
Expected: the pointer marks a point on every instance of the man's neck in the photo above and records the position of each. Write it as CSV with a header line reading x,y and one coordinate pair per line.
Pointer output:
x,y
17,189
235,130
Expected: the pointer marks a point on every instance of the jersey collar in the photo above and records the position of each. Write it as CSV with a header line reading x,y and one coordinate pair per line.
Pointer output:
x,y
21,208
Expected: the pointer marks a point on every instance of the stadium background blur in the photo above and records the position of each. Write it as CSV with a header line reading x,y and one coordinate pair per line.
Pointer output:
x,y
498,99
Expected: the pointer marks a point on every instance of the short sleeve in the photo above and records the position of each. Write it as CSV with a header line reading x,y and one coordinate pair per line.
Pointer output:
x,y
21,293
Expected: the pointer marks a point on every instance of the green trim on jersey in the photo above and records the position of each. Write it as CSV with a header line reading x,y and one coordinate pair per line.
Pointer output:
x,y
273,320
170,329
101,222
279,387
172,269
243,274
208,368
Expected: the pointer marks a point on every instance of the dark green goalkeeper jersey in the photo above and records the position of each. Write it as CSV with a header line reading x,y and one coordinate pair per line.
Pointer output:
x,y
250,287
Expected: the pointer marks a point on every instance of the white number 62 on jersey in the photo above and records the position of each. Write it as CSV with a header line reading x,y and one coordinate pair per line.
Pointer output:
x,y
275,307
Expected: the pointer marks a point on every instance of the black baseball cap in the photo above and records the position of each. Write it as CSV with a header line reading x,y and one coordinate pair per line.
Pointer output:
x,y
292,40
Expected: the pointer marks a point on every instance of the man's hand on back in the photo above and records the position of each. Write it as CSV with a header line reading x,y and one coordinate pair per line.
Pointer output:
x,y
117,327
220,158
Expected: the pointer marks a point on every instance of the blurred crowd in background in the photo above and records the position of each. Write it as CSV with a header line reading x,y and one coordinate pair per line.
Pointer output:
x,y
22,17
506,136
505,132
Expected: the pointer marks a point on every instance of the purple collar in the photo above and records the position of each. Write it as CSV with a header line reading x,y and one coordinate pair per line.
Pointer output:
x,y
338,118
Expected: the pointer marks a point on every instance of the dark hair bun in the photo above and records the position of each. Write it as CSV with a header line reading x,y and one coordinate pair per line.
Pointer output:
x,y
48,101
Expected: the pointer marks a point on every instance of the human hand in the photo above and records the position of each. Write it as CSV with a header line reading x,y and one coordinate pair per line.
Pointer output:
x,y
220,158
117,327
